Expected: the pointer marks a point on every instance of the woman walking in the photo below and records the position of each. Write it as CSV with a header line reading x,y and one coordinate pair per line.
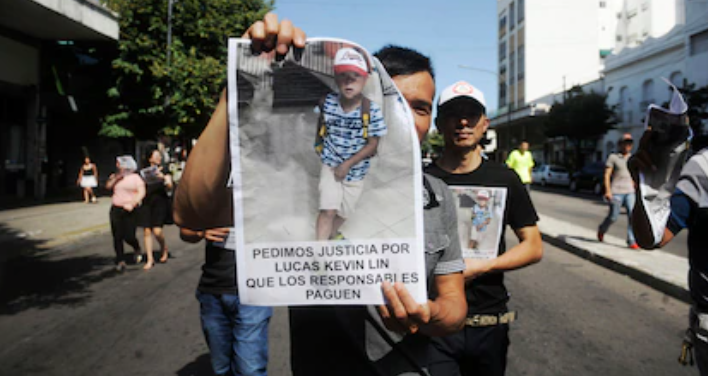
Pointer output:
x,y
155,209
128,192
88,180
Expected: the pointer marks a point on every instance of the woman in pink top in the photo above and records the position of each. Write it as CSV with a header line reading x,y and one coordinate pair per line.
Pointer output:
x,y
128,192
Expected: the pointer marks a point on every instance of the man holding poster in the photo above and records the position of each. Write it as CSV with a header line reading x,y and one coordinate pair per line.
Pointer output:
x,y
202,202
480,349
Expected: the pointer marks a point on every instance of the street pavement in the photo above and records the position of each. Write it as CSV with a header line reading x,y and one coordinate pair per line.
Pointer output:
x,y
65,311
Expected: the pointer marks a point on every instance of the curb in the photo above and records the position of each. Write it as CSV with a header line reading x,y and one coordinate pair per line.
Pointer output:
x,y
668,288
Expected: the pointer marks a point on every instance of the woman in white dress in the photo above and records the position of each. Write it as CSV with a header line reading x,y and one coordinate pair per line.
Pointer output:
x,y
88,180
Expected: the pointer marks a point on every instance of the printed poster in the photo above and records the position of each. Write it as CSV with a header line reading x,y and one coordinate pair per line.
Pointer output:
x,y
669,145
326,177
480,216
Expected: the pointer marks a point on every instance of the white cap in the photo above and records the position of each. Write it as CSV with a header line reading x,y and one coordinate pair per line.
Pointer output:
x,y
127,162
462,89
483,194
350,60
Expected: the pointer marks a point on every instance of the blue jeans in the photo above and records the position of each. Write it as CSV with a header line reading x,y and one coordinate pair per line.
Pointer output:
x,y
626,200
237,334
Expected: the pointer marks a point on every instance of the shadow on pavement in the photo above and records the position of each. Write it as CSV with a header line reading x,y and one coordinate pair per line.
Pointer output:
x,y
198,367
587,195
31,277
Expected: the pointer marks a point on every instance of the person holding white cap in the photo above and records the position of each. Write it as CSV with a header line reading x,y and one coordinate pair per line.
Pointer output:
x,y
480,349
348,133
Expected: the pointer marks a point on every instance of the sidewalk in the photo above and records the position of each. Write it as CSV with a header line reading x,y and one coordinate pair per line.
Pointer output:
x,y
51,226
663,271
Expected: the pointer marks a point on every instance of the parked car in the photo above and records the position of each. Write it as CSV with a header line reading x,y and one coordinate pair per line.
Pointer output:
x,y
550,174
589,177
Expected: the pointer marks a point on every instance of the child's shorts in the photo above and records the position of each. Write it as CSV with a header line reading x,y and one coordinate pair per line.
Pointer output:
x,y
474,233
341,196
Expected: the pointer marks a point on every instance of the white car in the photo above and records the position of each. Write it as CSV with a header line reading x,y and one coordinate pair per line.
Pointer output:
x,y
550,174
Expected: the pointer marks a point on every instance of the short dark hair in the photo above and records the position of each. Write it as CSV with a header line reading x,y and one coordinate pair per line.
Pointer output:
x,y
403,61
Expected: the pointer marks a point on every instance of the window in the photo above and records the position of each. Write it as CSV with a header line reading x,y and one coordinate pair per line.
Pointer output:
x,y
502,69
603,4
699,43
647,95
502,23
512,67
618,38
512,18
520,11
521,68
502,94
502,51
623,107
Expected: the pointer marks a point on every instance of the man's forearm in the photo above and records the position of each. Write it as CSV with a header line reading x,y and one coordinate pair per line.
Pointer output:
x,y
203,199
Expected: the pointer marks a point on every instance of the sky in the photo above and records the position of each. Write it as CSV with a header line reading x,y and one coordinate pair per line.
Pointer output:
x,y
450,32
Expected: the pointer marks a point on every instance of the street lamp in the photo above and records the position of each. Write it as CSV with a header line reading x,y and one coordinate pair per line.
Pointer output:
x,y
495,74
170,4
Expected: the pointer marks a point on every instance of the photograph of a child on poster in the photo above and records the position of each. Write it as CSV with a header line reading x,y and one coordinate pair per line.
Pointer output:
x,y
349,128
325,167
480,211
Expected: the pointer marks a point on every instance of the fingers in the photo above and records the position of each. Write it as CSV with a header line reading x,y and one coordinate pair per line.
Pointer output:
x,y
414,311
217,234
270,34
284,38
398,313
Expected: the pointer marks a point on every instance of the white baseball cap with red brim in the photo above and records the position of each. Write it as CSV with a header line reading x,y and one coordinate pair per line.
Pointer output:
x,y
350,60
462,89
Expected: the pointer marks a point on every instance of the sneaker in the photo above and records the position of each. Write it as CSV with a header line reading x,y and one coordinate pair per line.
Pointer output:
x,y
339,236
139,258
120,268
634,246
600,236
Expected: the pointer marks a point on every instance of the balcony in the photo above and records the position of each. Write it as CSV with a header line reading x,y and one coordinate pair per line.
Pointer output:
x,y
60,19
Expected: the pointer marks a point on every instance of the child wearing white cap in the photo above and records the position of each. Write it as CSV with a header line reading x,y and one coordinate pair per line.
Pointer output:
x,y
481,217
348,133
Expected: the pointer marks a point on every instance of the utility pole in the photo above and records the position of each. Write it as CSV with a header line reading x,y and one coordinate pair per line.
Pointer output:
x,y
170,4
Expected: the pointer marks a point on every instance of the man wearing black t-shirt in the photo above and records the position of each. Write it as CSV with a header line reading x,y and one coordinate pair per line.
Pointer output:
x,y
480,348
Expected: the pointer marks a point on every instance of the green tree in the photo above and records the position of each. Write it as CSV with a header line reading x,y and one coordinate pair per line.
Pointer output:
x,y
150,97
582,116
433,143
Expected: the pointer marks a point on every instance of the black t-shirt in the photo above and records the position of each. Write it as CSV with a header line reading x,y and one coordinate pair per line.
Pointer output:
x,y
218,271
487,294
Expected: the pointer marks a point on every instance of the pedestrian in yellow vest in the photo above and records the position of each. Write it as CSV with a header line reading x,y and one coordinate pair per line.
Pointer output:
x,y
521,161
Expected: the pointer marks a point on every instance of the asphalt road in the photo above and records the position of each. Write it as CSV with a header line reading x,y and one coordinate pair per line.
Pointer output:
x,y
66,312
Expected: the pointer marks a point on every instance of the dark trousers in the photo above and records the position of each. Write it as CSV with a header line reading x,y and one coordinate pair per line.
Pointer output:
x,y
700,343
123,229
474,351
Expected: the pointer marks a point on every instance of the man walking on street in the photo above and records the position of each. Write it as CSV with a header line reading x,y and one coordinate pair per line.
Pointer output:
x,y
521,161
619,189
480,349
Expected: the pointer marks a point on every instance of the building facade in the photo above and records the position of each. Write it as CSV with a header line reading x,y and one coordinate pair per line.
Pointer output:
x,y
26,28
545,47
